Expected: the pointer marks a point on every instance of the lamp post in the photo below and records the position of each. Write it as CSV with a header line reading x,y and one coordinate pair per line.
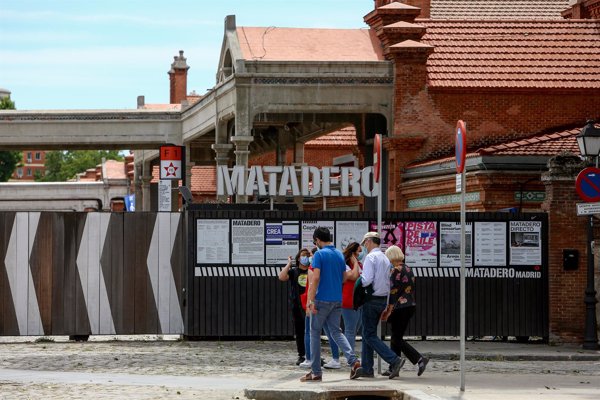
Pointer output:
x,y
588,141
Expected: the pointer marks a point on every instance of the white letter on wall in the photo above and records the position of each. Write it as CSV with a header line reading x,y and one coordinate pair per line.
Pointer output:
x,y
365,183
272,171
230,185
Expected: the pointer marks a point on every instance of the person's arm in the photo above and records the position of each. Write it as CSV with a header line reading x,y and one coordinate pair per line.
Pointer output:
x,y
368,273
312,290
284,274
354,273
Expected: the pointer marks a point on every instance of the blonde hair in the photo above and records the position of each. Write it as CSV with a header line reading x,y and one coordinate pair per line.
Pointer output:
x,y
394,253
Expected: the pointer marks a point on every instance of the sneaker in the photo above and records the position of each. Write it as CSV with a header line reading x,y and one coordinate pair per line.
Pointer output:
x,y
395,368
333,364
422,365
300,360
354,370
305,364
361,373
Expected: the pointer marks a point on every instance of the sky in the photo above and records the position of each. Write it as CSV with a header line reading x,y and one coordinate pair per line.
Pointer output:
x,y
102,54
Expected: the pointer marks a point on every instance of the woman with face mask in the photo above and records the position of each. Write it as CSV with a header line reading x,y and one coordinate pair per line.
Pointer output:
x,y
297,275
353,254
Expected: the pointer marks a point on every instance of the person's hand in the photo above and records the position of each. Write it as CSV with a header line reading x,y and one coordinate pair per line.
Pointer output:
x,y
312,308
386,313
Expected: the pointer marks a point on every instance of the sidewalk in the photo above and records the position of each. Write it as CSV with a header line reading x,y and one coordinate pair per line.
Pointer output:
x,y
147,368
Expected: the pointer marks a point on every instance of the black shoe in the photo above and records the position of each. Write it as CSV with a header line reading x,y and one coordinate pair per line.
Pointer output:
x,y
395,368
386,373
300,360
422,365
322,362
361,373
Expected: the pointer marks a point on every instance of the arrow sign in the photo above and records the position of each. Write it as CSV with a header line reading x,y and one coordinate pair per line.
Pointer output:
x,y
587,184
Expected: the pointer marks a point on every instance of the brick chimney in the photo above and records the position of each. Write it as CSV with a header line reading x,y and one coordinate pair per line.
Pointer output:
x,y
178,78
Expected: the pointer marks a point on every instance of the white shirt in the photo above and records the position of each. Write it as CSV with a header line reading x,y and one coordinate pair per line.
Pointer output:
x,y
376,270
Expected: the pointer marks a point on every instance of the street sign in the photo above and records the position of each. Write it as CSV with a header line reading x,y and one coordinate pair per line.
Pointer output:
x,y
171,158
588,208
377,156
587,184
458,183
460,148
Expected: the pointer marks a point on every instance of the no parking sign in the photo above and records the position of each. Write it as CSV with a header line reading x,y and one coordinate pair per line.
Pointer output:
x,y
588,184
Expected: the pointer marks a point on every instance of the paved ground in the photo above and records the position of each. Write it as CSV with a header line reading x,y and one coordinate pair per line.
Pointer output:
x,y
105,368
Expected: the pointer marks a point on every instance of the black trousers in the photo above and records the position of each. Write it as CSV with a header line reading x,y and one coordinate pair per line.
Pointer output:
x,y
399,320
298,317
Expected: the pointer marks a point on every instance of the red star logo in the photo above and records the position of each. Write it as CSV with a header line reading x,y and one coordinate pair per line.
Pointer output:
x,y
171,169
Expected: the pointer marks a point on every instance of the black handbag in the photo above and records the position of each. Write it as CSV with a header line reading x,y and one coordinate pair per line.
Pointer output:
x,y
361,294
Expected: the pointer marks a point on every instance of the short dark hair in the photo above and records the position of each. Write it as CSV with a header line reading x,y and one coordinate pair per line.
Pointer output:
x,y
323,234
375,240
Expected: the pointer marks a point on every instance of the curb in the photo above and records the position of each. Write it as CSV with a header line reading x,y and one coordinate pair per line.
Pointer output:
x,y
513,357
335,394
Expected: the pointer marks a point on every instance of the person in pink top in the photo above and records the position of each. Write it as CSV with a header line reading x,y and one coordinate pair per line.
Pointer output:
x,y
352,255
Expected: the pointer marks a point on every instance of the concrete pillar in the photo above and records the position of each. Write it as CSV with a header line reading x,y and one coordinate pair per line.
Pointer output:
x,y
137,186
298,152
145,203
241,158
222,158
565,231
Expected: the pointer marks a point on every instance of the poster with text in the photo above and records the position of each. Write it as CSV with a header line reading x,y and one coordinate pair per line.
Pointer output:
x,y
348,232
525,242
490,244
308,228
282,240
392,233
450,244
212,241
421,243
247,241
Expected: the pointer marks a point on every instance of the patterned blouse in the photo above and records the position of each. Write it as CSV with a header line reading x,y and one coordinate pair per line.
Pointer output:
x,y
402,287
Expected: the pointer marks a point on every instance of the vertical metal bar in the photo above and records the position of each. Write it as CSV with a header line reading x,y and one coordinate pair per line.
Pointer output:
x,y
379,225
590,339
462,281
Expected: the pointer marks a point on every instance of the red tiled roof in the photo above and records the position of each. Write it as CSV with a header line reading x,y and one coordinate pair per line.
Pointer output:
x,y
498,9
514,54
306,44
547,144
165,107
343,138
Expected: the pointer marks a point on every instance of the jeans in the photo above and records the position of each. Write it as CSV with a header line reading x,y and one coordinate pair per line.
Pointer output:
x,y
328,313
335,350
371,314
351,324
399,320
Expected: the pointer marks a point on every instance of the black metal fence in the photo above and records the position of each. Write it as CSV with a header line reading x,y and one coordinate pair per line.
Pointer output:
x,y
507,278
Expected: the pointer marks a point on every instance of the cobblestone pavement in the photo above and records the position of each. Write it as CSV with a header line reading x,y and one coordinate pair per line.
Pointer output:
x,y
165,369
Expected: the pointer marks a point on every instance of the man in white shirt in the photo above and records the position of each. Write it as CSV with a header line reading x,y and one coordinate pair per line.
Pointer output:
x,y
376,272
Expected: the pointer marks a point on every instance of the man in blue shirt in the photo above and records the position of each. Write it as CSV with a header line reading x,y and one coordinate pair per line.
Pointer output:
x,y
376,272
324,302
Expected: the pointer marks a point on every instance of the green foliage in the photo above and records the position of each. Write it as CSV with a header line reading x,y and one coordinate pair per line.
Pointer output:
x,y
64,165
8,159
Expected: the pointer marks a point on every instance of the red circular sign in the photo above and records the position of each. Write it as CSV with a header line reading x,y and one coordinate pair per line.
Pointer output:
x,y
587,184
460,149
377,156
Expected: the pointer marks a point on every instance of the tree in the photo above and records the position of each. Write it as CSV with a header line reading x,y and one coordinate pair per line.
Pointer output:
x,y
64,165
8,159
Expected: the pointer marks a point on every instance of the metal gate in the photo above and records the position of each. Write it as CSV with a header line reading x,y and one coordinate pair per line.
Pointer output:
x,y
91,273
231,296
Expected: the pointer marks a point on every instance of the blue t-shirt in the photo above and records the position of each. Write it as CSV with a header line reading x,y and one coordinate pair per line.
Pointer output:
x,y
330,262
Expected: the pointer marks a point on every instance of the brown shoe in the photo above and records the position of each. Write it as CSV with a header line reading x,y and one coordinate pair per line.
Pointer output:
x,y
311,378
354,369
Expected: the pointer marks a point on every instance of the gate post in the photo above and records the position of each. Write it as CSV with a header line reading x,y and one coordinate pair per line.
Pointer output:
x,y
565,231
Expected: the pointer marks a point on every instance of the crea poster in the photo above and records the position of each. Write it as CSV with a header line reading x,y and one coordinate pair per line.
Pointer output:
x,y
282,240
421,243
392,233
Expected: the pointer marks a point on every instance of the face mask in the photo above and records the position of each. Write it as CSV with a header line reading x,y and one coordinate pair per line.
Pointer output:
x,y
362,254
304,260
310,260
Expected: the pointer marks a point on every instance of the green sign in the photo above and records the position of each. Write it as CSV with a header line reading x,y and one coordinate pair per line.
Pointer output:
x,y
530,196
442,200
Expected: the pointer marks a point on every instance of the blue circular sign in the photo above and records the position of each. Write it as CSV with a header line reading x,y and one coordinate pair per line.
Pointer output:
x,y
587,184
460,149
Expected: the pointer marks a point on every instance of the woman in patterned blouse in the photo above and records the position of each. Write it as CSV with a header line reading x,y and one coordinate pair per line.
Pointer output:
x,y
401,307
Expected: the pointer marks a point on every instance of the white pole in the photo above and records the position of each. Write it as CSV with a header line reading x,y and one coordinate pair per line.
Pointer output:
x,y
379,152
463,185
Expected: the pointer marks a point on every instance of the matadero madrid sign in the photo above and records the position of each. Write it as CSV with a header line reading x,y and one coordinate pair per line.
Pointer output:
x,y
307,181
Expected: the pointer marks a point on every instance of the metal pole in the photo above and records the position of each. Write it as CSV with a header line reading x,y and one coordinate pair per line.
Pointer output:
x,y
590,339
462,282
379,225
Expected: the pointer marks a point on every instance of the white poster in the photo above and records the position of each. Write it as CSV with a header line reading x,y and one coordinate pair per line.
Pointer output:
x,y
308,228
525,242
450,244
247,241
421,243
490,244
281,240
349,231
212,241
164,195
